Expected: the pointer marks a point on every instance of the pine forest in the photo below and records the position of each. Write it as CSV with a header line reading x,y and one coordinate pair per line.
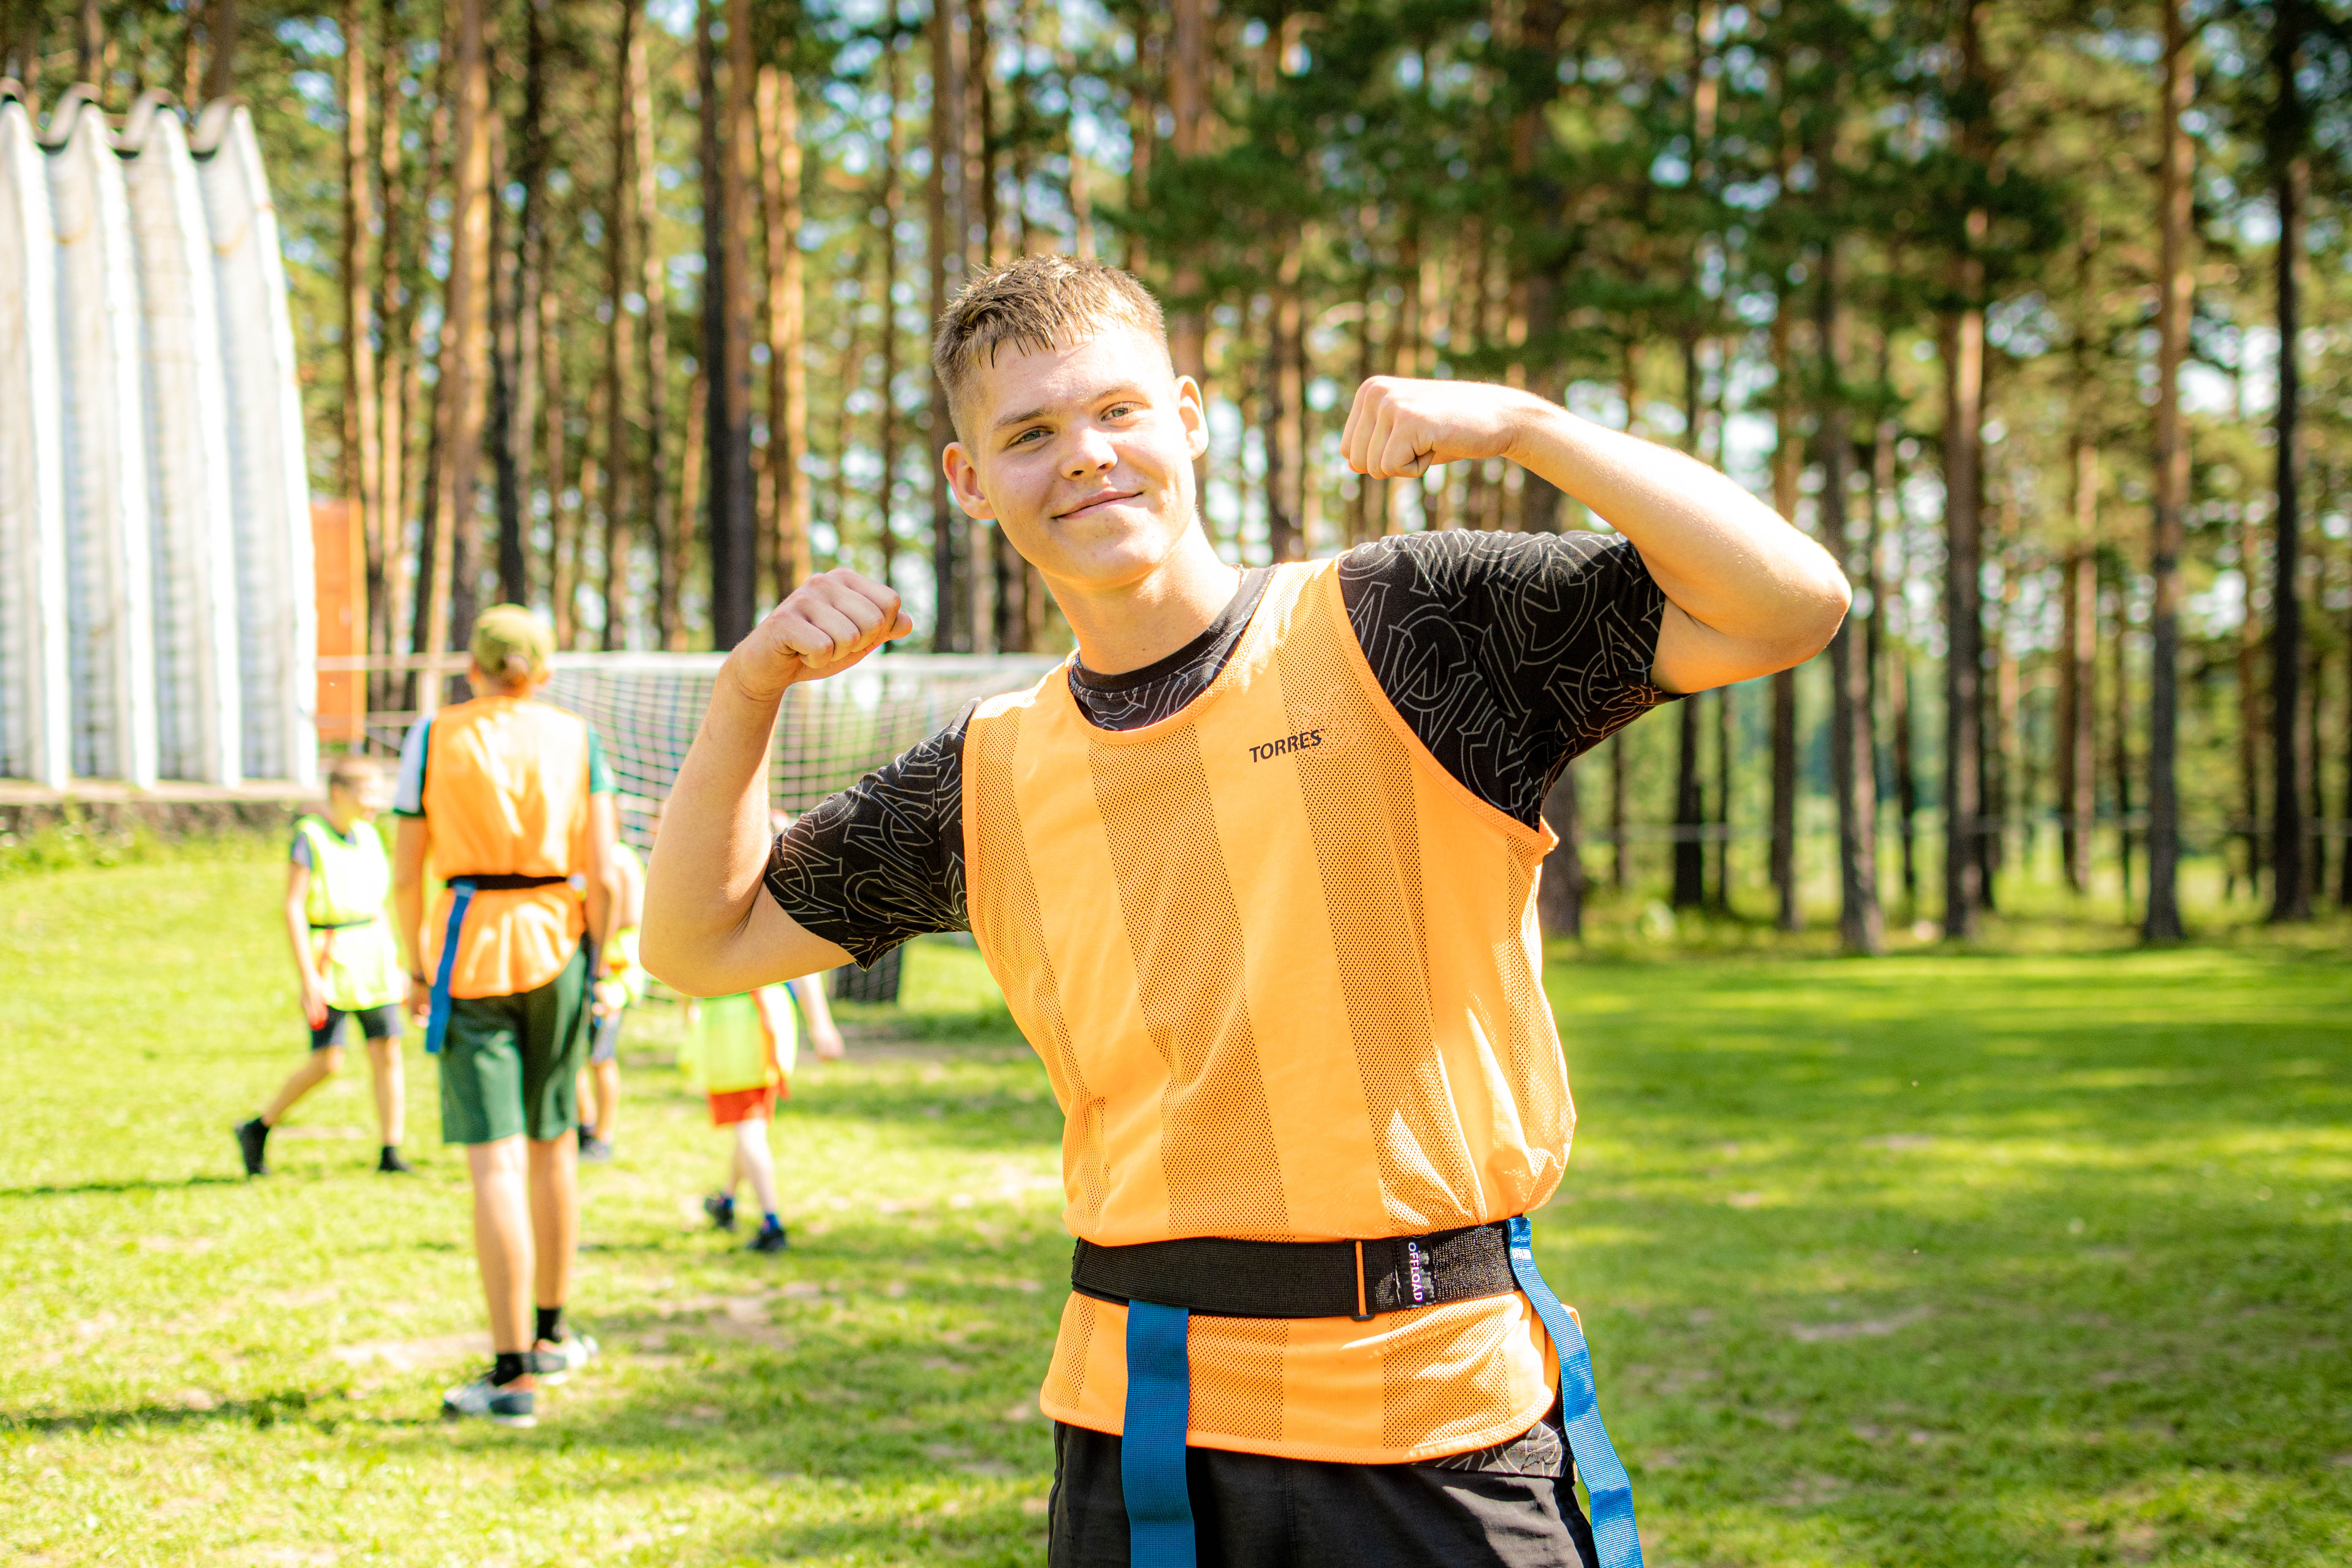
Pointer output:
x,y
2035,312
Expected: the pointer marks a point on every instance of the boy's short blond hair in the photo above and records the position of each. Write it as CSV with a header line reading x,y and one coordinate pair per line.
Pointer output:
x,y
1036,303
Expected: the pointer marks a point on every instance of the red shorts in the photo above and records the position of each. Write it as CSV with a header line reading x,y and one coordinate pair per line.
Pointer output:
x,y
735,1105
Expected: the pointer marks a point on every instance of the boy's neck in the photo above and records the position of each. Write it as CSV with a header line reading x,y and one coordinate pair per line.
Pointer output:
x,y
1143,621
342,817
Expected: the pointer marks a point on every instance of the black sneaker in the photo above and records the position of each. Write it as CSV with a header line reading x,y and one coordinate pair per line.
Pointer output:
x,y
593,1150
771,1238
720,1207
509,1404
390,1164
253,1145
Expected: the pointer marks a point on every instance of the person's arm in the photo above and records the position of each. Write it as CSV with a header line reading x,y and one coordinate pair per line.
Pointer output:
x,y
708,931
411,843
297,936
631,884
824,1038
1747,593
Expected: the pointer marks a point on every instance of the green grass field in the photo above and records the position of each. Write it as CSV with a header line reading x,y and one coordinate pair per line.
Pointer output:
x,y
1982,1259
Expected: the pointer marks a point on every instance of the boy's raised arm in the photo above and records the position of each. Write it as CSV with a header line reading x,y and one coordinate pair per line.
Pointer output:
x,y
708,931
1747,594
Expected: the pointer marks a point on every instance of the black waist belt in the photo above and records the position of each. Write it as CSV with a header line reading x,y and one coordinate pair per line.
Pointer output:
x,y
502,882
344,925
1220,1278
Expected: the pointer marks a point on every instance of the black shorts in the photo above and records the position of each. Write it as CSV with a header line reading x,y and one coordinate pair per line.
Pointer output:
x,y
375,1022
604,1037
1252,1510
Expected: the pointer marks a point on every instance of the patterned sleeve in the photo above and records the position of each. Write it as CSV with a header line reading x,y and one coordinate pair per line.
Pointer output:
x,y
1509,654
882,860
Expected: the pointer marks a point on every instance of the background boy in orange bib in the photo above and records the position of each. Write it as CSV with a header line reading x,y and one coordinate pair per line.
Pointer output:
x,y
507,798
1256,871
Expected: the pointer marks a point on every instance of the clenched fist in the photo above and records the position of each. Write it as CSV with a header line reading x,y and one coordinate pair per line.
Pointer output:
x,y
828,624
1399,428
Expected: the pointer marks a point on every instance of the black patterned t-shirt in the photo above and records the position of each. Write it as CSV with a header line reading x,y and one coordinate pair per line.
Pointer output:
x,y
1509,654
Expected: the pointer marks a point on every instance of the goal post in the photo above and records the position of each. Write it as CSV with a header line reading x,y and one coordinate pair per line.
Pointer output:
x,y
646,708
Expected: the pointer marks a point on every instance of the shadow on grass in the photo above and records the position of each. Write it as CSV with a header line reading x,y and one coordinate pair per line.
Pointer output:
x,y
148,1185
263,1411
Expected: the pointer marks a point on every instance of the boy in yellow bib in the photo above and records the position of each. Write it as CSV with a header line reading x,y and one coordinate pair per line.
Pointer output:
x,y
739,1051
347,965
1257,871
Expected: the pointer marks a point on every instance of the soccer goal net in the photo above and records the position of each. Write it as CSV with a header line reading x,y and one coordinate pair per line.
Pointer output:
x,y
646,708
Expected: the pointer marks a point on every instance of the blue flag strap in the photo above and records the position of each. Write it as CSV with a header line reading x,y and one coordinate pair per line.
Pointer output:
x,y
436,1023
1152,1448
1605,1480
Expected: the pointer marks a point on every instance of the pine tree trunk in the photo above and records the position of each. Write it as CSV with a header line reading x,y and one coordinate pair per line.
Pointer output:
x,y
521,443
2174,283
363,466
725,327
1286,411
1723,762
983,242
1188,102
1559,898
562,526
1963,355
1788,461
2077,673
849,371
1621,854
620,461
1689,881
1854,777
2291,879
465,351
2120,765
388,603
780,135
692,452
505,332
1690,797
887,239
669,528
947,229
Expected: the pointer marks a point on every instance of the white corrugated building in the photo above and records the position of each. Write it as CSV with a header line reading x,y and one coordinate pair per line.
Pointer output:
x,y
157,611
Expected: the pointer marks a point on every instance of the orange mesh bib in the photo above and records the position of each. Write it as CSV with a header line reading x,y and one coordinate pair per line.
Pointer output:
x,y
1285,973
505,792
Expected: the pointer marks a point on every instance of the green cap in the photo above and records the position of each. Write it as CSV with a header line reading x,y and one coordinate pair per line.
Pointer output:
x,y
511,644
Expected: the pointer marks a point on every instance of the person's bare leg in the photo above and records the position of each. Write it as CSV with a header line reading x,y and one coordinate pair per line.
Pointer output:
x,y
390,1076
502,1237
608,1098
322,1066
584,1088
554,1215
752,1155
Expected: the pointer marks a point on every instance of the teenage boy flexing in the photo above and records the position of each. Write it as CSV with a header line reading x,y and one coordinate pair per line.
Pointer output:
x,y
1256,873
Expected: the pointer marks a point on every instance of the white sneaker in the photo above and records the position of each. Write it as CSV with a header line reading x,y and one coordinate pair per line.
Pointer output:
x,y
510,1404
553,1361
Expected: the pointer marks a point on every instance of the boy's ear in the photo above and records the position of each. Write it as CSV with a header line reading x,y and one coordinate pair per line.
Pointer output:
x,y
963,478
1192,412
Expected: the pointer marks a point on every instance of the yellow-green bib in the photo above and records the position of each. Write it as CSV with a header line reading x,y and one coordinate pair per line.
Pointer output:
x,y
727,1049
350,939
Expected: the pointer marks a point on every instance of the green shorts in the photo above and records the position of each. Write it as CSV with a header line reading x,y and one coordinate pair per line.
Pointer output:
x,y
511,1065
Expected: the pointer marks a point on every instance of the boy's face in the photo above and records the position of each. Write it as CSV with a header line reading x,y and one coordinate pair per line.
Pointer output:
x,y
362,803
1084,456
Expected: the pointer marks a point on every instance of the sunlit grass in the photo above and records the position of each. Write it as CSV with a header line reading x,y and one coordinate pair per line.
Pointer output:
x,y
1947,1260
